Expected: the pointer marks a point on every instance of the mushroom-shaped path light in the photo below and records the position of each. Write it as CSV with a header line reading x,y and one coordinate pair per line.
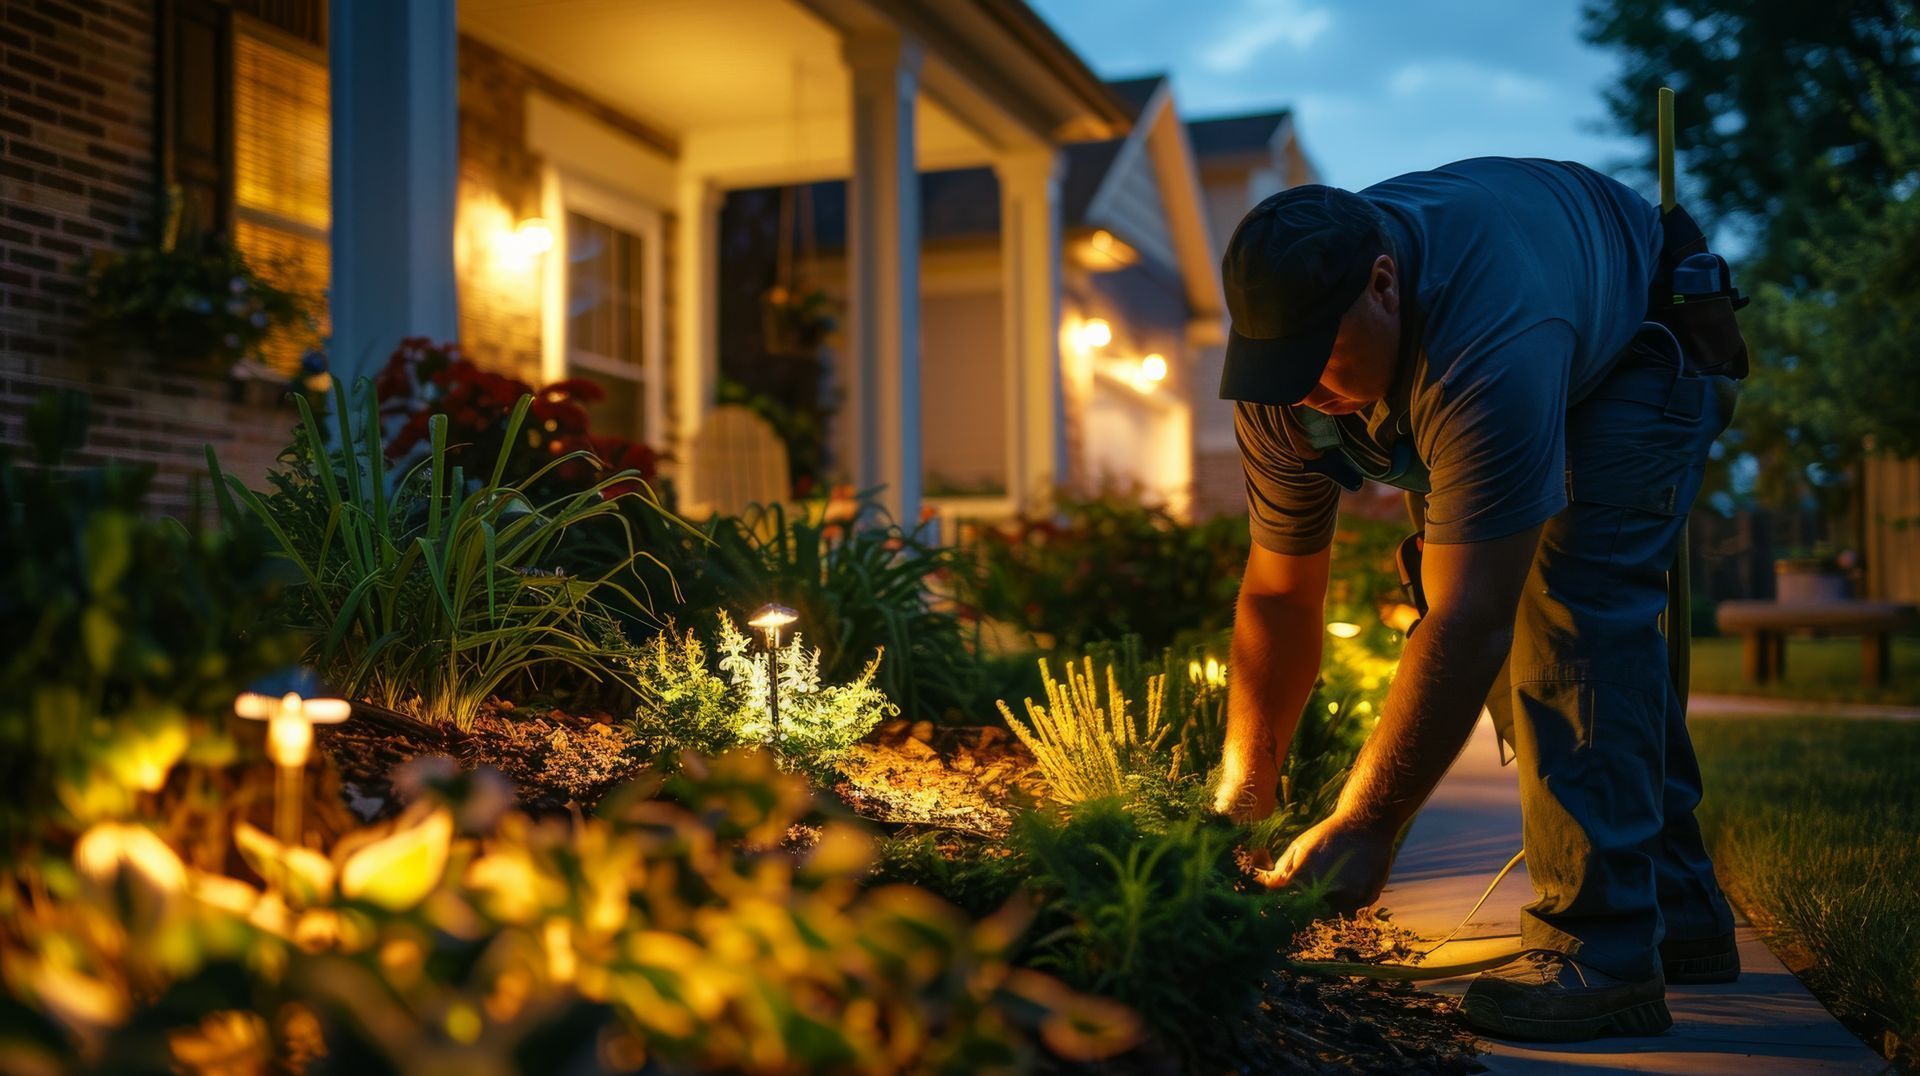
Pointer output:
x,y
288,703
770,619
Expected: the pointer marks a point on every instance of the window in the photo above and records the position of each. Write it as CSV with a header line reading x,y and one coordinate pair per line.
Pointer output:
x,y
613,311
281,165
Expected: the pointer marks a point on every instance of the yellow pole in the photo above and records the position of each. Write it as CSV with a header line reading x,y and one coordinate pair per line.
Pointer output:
x,y
1680,577
1665,155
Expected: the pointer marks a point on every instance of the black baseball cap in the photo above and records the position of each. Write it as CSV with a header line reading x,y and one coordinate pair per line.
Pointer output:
x,y
1294,266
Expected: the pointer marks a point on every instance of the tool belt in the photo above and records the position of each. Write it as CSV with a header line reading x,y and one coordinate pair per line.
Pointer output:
x,y
1702,320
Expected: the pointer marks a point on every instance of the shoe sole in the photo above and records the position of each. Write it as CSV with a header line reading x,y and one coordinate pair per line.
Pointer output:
x,y
1707,970
1636,1020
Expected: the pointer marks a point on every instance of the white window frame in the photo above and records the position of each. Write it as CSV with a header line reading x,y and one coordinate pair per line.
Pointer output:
x,y
567,192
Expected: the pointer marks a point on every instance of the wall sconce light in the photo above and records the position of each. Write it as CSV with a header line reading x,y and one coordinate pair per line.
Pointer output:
x,y
770,619
1146,375
290,718
1093,333
1100,251
532,238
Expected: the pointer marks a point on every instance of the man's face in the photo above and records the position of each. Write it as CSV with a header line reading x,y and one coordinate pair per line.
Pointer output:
x,y
1367,351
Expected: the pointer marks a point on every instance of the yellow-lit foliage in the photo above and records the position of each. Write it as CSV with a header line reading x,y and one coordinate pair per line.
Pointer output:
x,y
1088,751
717,946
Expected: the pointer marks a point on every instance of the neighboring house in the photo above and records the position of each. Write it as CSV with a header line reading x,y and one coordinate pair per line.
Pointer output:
x,y
1139,302
1242,160
540,182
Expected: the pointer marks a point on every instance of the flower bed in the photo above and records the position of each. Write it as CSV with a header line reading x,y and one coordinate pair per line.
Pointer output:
x,y
582,819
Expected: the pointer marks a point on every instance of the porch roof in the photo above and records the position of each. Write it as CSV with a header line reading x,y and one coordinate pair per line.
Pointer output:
x,y
757,91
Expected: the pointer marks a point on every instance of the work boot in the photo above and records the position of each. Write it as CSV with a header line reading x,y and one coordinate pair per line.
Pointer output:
x,y
1545,996
1699,961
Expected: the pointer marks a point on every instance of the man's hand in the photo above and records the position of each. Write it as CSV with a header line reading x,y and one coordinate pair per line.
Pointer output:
x,y
1348,857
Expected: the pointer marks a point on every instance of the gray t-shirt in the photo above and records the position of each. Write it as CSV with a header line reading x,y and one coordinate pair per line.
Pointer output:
x,y
1527,278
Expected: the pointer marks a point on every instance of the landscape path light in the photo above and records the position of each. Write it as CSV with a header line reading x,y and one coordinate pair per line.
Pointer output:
x,y
770,619
291,706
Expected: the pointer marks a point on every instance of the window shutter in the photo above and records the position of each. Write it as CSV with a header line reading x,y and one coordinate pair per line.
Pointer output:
x,y
195,112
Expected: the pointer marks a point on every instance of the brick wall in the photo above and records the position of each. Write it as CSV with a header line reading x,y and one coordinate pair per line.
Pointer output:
x,y
500,186
76,177
1219,484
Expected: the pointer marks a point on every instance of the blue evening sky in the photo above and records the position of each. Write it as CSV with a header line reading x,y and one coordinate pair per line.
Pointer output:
x,y
1377,87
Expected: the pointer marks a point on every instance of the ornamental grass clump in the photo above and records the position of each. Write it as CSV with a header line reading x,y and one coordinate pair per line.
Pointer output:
x,y
686,706
1087,751
432,589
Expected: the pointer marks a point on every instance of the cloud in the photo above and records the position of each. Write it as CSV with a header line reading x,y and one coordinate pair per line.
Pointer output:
x,y
1465,78
1265,24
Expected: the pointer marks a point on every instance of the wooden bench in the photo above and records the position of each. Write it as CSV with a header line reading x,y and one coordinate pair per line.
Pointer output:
x,y
1764,626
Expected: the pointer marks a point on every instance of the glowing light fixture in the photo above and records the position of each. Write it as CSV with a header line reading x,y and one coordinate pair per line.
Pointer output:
x,y
1094,332
290,718
532,238
770,619
1341,629
1154,367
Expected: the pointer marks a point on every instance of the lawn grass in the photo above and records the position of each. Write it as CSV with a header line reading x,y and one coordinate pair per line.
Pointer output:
x,y
1820,669
1814,824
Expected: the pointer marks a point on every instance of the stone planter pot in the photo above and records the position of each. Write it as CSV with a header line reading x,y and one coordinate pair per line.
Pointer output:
x,y
1803,580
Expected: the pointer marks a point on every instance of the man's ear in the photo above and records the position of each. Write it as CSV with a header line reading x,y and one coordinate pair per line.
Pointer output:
x,y
1386,283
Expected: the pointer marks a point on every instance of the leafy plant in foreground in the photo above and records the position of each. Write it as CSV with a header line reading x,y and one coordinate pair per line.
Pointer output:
x,y
1156,920
675,933
127,634
433,588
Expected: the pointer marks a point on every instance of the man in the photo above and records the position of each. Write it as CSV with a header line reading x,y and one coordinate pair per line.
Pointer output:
x,y
1475,334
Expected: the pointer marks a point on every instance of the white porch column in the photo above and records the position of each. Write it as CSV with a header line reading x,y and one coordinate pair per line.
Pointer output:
x,y
394,71
1030,290
696,319
883,247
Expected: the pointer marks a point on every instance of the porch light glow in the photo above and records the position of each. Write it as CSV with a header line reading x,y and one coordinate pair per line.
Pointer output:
x,y
1094,333
532,238
1341,629
1154,367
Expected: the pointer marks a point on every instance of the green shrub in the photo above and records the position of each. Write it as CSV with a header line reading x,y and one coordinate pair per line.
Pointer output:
x,y
1157,920
433,588
858,581
1115,567
128,634
685,706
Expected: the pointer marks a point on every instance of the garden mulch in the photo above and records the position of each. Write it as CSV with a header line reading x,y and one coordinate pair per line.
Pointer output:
x,y
1766,1022
915,777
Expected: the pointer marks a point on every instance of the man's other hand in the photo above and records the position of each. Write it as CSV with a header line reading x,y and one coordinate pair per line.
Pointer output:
x,y
1349,859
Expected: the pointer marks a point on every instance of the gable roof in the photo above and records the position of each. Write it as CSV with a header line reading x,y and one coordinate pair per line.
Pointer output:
x,y
1135,92
1232,135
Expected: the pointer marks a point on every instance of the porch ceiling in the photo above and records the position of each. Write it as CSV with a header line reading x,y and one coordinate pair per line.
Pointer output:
x,y
752,90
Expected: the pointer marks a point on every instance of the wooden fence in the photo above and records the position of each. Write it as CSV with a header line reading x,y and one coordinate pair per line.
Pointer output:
x,y
1892,529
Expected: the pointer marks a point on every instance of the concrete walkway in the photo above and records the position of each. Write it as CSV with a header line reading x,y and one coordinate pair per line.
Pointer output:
x,y
1765,1023
1763,706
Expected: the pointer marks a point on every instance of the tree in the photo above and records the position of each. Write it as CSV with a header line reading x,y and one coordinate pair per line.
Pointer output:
x,y
1795,128
1770,94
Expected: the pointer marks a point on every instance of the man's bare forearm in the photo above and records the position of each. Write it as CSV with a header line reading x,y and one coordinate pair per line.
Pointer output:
x,y
1447,668
1275,658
